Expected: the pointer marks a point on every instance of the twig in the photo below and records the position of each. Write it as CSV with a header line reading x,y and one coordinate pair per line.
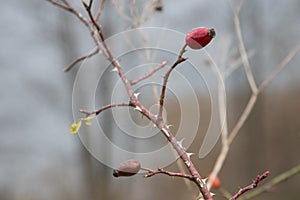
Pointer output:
x,y
179,60
236,64
163,64
79,59
242,50
278,179
279,68
223,124
258,179
110,56
59,4
97,112
99,10
244,116
162,171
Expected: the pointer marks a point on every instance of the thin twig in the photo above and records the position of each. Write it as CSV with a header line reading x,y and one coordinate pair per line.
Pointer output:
x,y
99,10
97,112
279,68
254,184
163,64
223,124
162,171
59,4
79,59
244,116
236,64
275,181
242,50
179,60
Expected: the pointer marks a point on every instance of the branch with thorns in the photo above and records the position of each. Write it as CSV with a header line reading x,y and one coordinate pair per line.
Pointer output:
x,y
254,184
227,136
100,41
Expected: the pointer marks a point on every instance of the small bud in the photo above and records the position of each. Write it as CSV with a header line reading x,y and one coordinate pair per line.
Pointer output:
x,y
127,168
199,37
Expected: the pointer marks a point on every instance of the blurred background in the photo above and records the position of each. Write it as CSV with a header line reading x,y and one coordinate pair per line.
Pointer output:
x,y
39,159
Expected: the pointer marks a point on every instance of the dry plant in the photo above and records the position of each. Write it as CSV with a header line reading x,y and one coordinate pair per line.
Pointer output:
x,y
130,167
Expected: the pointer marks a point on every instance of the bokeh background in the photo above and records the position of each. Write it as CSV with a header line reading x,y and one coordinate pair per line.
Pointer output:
x,y
39,159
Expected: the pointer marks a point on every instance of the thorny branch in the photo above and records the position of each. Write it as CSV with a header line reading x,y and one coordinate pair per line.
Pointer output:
x,y
98,34
227,138
276,180
254,184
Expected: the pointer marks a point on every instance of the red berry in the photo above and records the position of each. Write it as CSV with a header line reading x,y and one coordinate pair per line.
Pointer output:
x,y
199,37
216,183
127,168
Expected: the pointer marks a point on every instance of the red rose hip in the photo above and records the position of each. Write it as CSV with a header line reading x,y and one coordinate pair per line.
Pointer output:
x,y
199,37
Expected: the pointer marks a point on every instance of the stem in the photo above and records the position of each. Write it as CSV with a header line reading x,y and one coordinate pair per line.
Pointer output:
x,y
163,64
254,184
166,77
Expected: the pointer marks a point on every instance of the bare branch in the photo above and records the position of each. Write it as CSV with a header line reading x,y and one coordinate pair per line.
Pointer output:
x,y
163,64
97,112
99,10
99,38
162,171
79,59
279,68
236,64
258,179
166,77
244,116
242,50
275,181
59,4
223,124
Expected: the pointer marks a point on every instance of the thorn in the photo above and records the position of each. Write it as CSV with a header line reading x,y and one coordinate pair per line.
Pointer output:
x,y
137,94
204,180
154,125
212,194
138,109
180,142
189,154
114,69
170,125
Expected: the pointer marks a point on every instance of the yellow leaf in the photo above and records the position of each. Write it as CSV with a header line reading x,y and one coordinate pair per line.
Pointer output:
x,y
75,127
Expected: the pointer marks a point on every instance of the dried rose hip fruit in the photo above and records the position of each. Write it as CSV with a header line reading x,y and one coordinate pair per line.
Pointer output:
x,y
199,37
216,182
127,168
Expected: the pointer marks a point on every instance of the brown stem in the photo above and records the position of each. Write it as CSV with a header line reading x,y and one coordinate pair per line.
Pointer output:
x,y
79,59
97,112
254,184
179,60
162,171
163,64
